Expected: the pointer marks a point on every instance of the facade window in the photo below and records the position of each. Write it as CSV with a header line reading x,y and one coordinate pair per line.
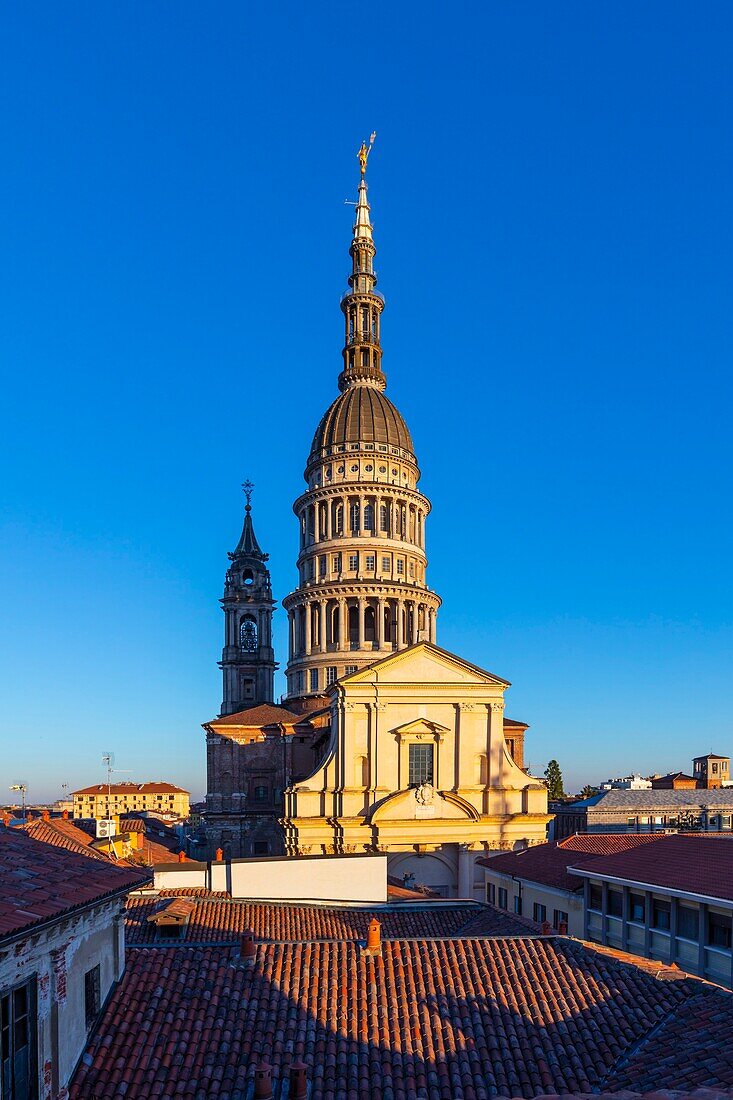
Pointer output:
x,y
369,517
559,916
688,923
595,900
719,930
661,915
631,822
314,679
18,1029
370,560
339,525
637,908
615,903
490,893
518,904
322,565
385,563
349,670
337,563
420,766
260,793
400,566
353,562
725,821
354,516
383,517
92,997
539,912
331,675
300,681
248,635
260,848
311,569
502,897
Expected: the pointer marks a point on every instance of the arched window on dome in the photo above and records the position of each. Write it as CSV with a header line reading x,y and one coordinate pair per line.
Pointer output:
x,y
383,517
354,515
248,634
368,517
370,634
338,519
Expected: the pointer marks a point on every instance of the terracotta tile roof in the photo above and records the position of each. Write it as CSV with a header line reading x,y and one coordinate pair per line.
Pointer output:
x,y
256,717
548,863
511,722
131,788
696,864
222,920
438,1019
39,882
62,834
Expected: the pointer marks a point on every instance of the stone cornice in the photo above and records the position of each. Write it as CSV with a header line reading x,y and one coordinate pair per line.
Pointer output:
x,y
367,588
365,488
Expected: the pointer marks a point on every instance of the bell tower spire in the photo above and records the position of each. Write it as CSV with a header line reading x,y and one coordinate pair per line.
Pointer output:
x,y
362,304
247,659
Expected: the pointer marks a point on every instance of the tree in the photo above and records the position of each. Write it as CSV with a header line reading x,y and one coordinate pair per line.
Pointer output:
x,y
553,775
588,791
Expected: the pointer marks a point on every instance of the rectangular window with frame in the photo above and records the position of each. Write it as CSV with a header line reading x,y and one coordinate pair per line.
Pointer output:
x,y
719,930
595,898
559,916
539,912
386,563
260,848
518,904
420,765
260,793
400,566
92,996
637,908
337,563
661,919
18,1030
349,670
615,904
314,679
688,923
502,897
353,562
322,565
331,675
370,562
490,893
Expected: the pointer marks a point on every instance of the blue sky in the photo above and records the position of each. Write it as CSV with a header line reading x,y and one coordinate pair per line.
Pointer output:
x,y
551,190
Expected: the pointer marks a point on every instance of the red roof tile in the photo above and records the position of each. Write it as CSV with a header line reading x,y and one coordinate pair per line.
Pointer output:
x,y
39,882
548,863
696,864
256,717
222,920
446,1019
62,834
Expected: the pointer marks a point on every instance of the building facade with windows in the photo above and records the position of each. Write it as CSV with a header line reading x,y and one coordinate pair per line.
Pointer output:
x,y
105,800
62,949
671,900
417,765
646,811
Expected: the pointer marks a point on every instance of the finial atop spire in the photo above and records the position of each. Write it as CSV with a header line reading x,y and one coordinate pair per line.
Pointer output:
x,y
364,152
248,486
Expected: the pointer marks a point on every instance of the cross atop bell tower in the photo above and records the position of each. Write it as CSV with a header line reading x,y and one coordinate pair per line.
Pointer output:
x,y
247,659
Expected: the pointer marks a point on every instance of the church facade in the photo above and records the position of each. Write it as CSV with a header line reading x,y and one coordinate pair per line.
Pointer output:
x,y
383,741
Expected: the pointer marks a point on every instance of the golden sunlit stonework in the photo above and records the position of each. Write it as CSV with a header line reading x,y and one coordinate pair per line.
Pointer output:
x,y
402,747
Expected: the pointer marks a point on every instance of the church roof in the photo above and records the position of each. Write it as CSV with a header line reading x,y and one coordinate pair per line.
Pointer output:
x,y
267,714
362,414
431,647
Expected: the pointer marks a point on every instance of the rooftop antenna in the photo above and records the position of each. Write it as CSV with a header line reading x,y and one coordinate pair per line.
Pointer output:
x,y
22,787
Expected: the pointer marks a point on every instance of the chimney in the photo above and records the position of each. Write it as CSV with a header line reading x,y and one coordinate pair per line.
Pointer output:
x,y
263,1082
546,928
219,855
373,944
181,857
6,819
247,949
563,928
298,1081
65,815
46,815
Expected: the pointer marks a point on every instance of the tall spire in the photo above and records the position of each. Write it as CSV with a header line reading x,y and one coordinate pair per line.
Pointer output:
x,y
362,304
248,544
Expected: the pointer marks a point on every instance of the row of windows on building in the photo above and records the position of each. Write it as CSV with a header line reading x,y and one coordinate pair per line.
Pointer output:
x,y
499,896
406,523
717,925
133,799
313,679
368,564
691,820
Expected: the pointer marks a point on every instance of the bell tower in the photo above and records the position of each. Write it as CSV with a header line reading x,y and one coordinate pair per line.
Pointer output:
x,y
247,659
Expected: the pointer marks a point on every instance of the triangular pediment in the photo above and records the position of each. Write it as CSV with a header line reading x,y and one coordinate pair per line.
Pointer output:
x,y
421,725
424,663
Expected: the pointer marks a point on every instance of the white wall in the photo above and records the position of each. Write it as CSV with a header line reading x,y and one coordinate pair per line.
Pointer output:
x,y
278,878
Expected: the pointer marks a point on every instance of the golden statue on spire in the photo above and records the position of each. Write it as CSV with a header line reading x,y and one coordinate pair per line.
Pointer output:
x,y
364,152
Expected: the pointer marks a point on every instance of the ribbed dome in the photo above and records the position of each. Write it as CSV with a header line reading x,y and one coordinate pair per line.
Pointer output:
x,y
362,414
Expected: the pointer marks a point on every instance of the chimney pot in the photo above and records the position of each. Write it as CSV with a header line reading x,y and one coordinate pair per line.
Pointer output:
x,y
247,946
219,855
263,1082
181,857
46,815
65,815
374,937
563,928
298,1081
546,928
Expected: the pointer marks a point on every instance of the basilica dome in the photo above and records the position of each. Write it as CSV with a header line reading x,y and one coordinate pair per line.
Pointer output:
x,y
362,414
